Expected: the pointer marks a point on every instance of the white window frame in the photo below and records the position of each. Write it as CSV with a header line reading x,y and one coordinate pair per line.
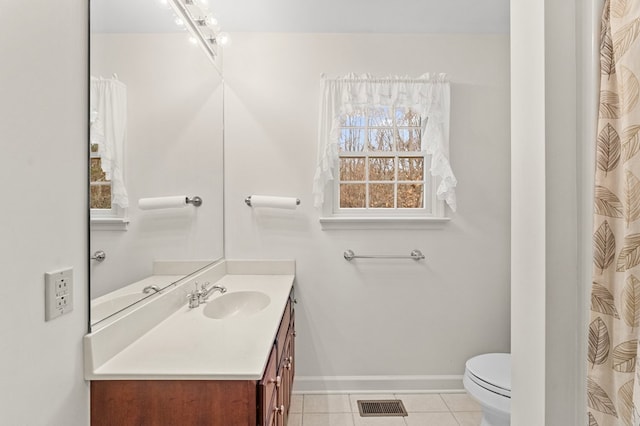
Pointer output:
x,y
113,219
431,215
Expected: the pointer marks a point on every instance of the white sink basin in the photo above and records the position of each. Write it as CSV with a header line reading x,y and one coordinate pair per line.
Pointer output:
x,y
236,305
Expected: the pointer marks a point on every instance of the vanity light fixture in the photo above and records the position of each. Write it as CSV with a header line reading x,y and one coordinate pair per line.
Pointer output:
x,y
208,21
201,24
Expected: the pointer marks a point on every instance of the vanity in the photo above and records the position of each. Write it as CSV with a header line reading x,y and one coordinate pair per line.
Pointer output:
x,y
229,361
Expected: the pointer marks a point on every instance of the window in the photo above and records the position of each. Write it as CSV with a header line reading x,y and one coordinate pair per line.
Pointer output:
x,y
383,152
108,197
381,164
105,214
99,185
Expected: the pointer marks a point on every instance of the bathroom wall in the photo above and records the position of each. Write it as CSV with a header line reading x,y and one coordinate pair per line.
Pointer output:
x,y
43,133
418,322
174,147
554,68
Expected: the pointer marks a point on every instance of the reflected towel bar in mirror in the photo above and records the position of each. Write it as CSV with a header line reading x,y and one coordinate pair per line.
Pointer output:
x,y
415,255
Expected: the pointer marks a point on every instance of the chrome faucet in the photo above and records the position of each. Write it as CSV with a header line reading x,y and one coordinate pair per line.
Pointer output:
x,y
148,289
200,296
204,292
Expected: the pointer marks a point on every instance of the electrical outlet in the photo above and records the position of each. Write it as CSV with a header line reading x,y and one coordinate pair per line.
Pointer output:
x,y
58,293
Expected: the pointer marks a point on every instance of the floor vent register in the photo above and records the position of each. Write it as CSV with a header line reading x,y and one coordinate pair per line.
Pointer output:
x,y
381,408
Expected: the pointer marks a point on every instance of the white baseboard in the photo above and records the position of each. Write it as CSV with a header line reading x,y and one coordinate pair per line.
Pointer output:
x,y
378,384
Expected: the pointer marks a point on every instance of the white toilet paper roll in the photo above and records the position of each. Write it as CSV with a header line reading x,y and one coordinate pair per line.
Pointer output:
x,y
173,202
274,202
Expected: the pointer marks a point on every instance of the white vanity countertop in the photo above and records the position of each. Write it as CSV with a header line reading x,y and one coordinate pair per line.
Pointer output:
x,y
188,345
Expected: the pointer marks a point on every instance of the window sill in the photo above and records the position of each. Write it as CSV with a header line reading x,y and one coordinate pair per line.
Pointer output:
x,y
336,223
109,223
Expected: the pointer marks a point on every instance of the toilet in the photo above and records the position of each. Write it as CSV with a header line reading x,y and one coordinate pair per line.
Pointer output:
x,y
487,379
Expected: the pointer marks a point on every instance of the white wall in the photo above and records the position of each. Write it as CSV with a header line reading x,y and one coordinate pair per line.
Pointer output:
x,y
561,167
43,130
553,115
528,227
174,147
374,318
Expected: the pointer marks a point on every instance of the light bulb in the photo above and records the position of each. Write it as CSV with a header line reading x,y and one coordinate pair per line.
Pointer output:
x,y
179,22
164,4
223,39
193,40
211,20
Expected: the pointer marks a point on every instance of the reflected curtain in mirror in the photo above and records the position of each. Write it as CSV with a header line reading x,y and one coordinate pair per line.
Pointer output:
x,y
107,136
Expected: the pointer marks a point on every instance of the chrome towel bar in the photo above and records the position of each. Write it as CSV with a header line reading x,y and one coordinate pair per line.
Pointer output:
x,y
415,255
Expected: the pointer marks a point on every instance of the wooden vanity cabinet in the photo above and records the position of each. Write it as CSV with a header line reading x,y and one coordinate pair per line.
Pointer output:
x,y
277,382
264,402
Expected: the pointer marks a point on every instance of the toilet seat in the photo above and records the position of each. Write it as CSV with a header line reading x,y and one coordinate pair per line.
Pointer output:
x,y
487,378
491,372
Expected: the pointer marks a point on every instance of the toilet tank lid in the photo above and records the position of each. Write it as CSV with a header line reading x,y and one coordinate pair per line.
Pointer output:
x,y
494,369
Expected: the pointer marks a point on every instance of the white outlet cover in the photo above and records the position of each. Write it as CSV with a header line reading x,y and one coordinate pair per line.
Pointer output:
x,y
58,293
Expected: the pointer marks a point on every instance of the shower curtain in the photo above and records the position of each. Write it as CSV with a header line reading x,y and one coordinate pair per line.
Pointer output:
x,y
613,379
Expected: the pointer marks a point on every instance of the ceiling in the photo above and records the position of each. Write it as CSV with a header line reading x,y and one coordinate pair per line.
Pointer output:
x,y
326,16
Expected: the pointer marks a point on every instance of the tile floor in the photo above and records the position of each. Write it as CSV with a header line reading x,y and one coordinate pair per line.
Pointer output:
x,y
447,409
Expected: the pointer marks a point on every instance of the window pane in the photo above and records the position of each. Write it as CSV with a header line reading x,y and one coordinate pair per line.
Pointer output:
x,y
407,117
95,172
381,195
410,196
408,139
351,140
352,168
352,195
381,168
381,139
410,168
380,117
100,196
353,119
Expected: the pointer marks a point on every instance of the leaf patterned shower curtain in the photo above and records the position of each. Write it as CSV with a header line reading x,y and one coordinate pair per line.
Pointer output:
x,y
613,380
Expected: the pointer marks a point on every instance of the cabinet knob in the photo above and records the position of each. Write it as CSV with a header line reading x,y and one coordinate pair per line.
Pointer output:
x,y
279,409
289,363
277,381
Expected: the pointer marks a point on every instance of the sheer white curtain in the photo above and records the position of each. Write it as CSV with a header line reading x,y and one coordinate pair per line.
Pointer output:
x,y
108,118
428,95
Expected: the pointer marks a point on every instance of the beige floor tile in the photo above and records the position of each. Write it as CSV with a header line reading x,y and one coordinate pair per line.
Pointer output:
x,y
468,418
295,419
431,419
460,402
296,404
377,421
326,404
355,397
327,419
420,403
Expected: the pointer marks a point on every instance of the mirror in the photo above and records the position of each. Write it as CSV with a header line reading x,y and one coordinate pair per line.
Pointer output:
x,y
171,145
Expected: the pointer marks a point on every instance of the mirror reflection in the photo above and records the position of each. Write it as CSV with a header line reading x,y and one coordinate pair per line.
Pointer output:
x,y
155,135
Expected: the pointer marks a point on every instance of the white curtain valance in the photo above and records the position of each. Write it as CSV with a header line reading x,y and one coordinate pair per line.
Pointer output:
x,y
428,95
108,125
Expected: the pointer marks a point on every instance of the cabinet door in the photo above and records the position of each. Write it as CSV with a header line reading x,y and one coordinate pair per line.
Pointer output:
x,y
267,391
281,338
288,369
